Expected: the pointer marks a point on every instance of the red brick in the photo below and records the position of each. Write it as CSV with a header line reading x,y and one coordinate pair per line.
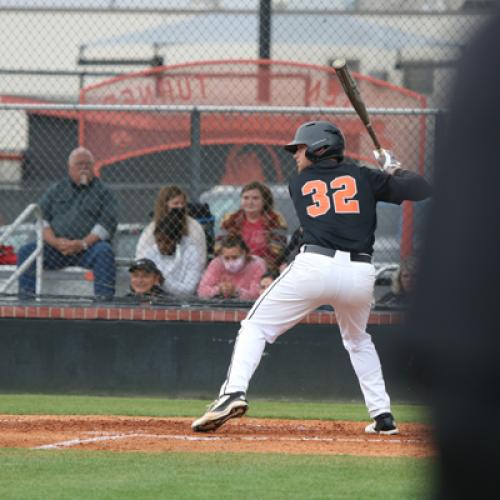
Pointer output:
x,y
328,318
30,312
206,315
43,312
138,313
187,315
113,313
317,317
384,319
162,315
195,315
91,313
54,312
19,312
184,315
127,313
7,311
79,313
101,313
149,314
219,315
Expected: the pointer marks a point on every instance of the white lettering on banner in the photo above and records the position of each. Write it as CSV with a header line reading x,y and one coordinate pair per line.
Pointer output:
x,y
193,89
325,92
159,89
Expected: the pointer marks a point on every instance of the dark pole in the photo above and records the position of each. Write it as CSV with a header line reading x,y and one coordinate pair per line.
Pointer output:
x,y
195,184
265,29
264,49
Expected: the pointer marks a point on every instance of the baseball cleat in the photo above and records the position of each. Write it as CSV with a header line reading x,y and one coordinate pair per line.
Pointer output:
x,y
382,424
227,406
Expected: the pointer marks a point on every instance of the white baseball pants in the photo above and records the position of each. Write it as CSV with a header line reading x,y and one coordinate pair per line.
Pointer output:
x,y
310,281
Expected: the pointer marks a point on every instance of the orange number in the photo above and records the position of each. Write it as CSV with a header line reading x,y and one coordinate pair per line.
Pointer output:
x,y
345,190
319,191
342,199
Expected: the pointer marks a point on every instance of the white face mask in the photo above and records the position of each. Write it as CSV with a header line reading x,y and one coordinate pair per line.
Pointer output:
x,y
234,265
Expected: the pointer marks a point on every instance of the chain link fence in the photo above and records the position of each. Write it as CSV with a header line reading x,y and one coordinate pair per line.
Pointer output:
x,y
201,95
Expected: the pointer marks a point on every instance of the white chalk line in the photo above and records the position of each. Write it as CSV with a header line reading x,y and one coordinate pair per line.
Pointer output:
x,y
184,437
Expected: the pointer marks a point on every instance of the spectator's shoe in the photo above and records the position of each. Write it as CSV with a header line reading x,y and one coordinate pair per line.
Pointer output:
x,y
382,424
227,406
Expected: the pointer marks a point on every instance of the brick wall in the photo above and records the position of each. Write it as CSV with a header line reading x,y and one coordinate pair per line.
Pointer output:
x,y
155,313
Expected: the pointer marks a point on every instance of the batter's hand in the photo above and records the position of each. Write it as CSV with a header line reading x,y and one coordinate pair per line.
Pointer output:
x,y
387,160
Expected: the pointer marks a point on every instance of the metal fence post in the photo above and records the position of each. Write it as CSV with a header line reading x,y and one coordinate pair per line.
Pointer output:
x,y
195,184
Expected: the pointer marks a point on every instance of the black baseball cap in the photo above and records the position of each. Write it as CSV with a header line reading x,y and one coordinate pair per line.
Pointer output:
x,y
145,265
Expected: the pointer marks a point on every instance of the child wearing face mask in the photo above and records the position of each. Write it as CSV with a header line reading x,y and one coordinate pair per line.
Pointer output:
x,y
234,274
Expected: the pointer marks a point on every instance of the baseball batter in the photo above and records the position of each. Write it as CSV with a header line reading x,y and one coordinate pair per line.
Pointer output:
x,y
335,201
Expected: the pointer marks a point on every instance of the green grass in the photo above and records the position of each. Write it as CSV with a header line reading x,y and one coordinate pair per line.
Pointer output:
x,y
36,404
78,474
91,475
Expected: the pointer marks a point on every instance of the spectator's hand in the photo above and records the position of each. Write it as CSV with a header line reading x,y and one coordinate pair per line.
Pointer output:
x,y
227,289
69,247
62,244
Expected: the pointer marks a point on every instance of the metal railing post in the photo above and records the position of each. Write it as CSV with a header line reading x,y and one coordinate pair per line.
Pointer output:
x,y
37,254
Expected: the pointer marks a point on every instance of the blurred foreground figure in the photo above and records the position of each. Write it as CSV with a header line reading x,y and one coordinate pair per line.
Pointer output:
x,y
454,322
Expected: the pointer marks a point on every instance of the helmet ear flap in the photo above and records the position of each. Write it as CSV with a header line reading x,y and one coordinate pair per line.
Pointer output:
x,y
310,154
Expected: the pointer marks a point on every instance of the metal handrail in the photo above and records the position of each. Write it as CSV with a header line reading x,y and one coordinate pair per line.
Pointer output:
x,y
209,108
37,253
383,269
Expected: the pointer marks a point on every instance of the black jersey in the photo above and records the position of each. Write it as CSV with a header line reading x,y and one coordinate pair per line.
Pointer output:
x,y
336,202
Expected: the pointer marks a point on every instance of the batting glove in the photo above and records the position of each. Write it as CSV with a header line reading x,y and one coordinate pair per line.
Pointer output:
x,y
386,159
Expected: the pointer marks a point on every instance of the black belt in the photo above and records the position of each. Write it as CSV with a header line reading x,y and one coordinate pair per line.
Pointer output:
x,y
329,252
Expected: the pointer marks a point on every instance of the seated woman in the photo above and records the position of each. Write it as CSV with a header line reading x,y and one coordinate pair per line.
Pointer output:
x,y
176,256
261,227
234,273
401,286
172,197
146,280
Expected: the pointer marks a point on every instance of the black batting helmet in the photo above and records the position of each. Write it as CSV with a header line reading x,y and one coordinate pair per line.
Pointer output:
x,y
318,135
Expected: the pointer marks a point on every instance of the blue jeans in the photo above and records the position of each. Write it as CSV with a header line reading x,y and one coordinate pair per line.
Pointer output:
x,y
99,257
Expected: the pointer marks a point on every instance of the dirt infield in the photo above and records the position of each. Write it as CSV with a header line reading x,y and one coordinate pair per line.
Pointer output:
x,y
242,435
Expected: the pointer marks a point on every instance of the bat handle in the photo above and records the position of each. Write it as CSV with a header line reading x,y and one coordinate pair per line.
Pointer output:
x,y
373,136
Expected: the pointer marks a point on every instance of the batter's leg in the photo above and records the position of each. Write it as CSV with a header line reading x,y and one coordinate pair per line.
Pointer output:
x,y
352,321
279,308
288,299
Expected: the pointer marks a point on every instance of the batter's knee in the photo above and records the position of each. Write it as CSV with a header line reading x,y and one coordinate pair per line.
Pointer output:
x,y
357,343
248,327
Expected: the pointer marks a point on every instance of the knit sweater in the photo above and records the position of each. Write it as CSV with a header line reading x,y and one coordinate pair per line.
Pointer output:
x,y
246,281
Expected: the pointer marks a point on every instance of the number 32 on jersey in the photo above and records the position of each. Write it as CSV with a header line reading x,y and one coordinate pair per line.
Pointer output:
x,y
344,190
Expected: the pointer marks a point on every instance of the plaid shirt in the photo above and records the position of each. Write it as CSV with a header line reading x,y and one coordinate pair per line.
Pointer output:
x,y
275,233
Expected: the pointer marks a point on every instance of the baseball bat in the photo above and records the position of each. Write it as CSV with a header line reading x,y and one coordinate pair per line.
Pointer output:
x,y
352,92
